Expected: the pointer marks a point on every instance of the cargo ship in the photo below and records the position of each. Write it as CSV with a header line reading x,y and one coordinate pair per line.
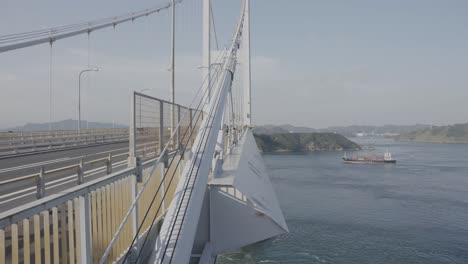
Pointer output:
x,y
387,158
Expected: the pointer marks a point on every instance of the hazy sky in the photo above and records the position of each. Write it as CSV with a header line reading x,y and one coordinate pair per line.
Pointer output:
x,y
314,63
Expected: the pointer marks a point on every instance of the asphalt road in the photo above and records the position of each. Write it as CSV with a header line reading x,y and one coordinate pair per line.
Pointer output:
x,y
18,193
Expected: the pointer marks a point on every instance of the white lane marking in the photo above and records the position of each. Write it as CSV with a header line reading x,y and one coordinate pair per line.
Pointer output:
x,y
17,192
33,165
17,197
105,152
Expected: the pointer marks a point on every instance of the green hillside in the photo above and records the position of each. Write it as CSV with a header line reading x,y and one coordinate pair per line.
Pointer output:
x,y
304,142
457,133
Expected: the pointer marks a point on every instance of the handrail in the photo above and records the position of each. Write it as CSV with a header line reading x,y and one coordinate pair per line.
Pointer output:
x,y
62,138
69,167
12,137
16,214
28,149
80,173
24,211
51,142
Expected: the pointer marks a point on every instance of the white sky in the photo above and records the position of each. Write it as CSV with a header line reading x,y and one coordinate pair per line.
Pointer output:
x,y
315,63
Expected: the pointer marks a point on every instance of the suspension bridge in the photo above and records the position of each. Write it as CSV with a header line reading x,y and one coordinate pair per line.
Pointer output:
x,y
181,184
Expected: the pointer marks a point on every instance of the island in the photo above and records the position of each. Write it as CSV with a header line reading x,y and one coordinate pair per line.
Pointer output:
x,y
457,133
303,142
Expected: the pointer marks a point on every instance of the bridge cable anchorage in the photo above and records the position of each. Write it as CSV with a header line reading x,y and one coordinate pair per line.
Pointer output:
x,y
27,39
200,104
104,257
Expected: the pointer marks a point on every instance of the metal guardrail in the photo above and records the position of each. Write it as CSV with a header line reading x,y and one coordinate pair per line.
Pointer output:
x,y
61,140
38,180
29,145
18,136
77,225
8,217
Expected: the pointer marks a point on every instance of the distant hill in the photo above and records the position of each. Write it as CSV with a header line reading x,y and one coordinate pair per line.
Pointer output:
x,y
303,142
457,133
348,131
275,129
68,124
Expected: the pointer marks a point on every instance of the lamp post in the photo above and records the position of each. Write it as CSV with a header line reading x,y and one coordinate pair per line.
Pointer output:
x,y
79,95
173,66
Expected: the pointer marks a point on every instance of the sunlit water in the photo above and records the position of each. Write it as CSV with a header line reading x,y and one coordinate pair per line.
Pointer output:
x,y
413,212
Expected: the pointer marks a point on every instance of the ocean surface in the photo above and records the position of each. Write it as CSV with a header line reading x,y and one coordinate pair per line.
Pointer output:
x,y
415,211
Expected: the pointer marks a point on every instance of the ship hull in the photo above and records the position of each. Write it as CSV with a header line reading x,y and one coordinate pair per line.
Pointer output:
x,y
351,161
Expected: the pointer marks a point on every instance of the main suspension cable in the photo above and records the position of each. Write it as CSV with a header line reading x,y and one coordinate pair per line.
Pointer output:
x,y
32,38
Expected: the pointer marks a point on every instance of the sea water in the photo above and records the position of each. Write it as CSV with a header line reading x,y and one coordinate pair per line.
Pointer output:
x,y
415,211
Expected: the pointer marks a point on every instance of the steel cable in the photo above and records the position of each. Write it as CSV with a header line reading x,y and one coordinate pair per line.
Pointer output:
x,y
144,185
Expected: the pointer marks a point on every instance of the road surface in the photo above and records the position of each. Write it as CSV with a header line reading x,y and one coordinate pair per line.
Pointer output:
x,y
22,192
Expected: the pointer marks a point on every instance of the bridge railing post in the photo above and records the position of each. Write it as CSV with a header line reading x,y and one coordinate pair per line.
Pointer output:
x,y
132,133
178,127
85,229
164,159
190,142
109,164
40,185
80,172
134,192
161,128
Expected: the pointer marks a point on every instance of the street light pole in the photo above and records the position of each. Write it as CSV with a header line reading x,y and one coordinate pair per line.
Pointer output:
x,y
173,67
79,95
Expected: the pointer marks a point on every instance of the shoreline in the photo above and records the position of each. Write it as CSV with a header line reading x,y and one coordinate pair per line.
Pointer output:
x,y
304,152
434,142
